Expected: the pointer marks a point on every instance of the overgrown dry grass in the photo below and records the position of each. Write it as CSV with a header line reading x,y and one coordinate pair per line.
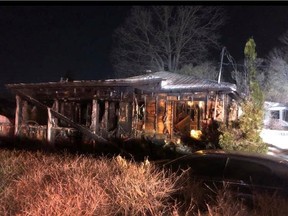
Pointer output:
x,y
37,183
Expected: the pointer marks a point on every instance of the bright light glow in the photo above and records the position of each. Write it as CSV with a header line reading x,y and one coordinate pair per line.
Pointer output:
x,y
201,104
196,134
190,103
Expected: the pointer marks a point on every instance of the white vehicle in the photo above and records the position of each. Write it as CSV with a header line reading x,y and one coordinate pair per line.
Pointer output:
x,y
276,116
275,131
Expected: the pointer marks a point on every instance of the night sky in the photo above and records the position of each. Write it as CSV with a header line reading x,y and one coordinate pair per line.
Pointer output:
x,y
43,43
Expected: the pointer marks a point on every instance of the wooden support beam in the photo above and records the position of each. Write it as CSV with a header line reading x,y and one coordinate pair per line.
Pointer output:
x,y
156,115
62,110
165,117
172,119
215,106
198,117
95,117
135,114
206,107
56,108
161,115
50,127
145,110
77,113
226,107
88,115
129,117
25,111
104,122
223,108
18,114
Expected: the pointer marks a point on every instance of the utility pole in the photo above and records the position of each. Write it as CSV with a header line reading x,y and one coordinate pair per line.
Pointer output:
x,y
220,71
219,79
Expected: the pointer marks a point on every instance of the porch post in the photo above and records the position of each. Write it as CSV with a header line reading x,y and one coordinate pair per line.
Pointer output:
x,y
224,107
50,126
215,106
173,115
95,116
18,115
156,115
56,108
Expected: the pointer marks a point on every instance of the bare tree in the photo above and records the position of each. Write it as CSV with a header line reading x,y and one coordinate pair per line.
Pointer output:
x,y
206,70
160,38
284,39
241,76
276,88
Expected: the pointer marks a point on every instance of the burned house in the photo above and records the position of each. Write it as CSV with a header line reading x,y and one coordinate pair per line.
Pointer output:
x,y
159,105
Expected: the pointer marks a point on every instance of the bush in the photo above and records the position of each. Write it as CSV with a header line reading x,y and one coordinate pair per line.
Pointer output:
x,y
244,135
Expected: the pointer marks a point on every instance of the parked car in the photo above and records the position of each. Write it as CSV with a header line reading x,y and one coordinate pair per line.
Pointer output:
x,y
243,173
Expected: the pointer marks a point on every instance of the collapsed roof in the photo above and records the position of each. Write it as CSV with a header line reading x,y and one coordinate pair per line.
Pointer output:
x,y
150,82
174,81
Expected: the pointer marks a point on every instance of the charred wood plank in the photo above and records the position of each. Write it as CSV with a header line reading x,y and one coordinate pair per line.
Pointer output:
x,y
50,125
18,114
95,119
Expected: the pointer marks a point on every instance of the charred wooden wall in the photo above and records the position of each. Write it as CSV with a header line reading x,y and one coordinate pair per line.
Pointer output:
x,y
169,116
121,113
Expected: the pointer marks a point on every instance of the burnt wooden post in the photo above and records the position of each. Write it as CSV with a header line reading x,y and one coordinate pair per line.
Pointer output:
x,y
173,113
169,116
106,114
161,115
206,107
50,127
135,110
118,132
95,117
215,106
156,115
226,108
166,120
25,111
224,104
52,122
88,115
56,108
129,116
18,114
150,124
62,111
78,113
104,122
145,110
198,116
